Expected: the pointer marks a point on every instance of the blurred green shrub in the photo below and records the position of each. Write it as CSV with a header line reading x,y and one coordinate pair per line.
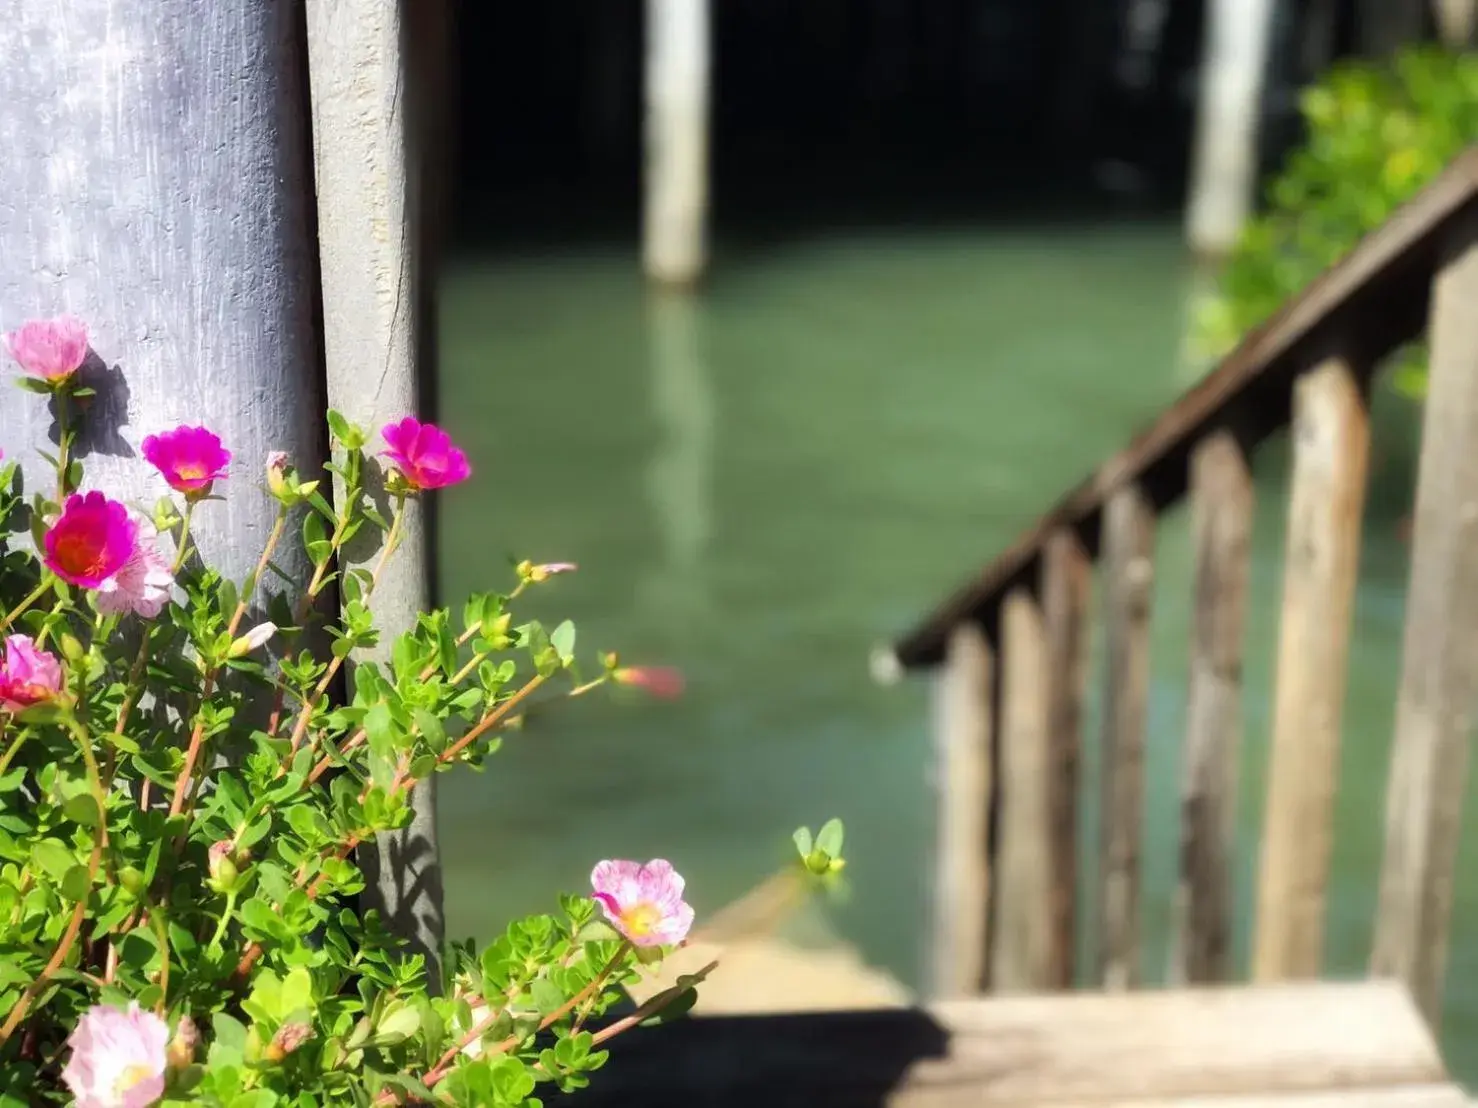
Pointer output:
x,y
1376,134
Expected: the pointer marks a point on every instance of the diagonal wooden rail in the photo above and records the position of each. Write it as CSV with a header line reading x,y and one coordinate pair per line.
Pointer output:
x,y
1011,645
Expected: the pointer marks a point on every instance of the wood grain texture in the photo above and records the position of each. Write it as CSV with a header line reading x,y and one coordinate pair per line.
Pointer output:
x,y
1128,573
1331,444
1021,897
1439,667
374,305
1377,295
962,760
1221,532
1066,585
1238,1047
157,184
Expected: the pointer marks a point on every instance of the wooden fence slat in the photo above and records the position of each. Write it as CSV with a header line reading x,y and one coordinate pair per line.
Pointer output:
x,y
1221,531
1066,584
1439,670
963,764
1022,899
1128,580
1331,441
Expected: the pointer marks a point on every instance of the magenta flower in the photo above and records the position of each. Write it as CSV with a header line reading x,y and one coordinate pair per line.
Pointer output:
x,y
190,458
142,584
52,349
424,454
118,1058
27,675
643,902
91,540
660,681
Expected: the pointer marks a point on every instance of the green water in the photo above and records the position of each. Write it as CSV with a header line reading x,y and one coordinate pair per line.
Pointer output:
x,y
762,484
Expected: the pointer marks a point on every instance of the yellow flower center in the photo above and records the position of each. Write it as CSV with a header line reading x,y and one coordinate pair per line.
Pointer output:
x,y
191,471
131,1076
641,919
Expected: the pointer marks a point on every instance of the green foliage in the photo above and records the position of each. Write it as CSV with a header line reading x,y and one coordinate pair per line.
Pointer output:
x,y
219,892
1377,134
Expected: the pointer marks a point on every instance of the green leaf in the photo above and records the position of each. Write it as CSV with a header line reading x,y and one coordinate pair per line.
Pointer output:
x,y
53,858
82,809
829,838
398,1024
802,840
431,730
546,995
76,883
563,641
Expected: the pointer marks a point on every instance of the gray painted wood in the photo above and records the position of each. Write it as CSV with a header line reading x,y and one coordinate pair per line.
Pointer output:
x,y
1439,667
374,313
156,184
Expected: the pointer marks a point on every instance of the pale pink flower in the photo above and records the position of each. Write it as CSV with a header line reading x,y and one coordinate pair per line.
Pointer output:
x,y
258,637
190,459
546,570
643,902
51,349
27,675
118,1058
142,584
90,540
660,681
424,454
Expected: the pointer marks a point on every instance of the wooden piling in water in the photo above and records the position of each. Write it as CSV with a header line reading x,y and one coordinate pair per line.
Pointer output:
x,y
674,235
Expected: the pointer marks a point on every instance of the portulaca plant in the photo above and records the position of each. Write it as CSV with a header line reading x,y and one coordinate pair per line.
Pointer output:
x,y
182,793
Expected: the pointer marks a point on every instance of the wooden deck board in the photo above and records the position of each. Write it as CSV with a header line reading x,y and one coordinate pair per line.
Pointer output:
x,y
1314,1045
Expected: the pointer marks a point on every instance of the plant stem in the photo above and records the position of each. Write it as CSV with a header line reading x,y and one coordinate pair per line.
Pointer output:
x,y
63,461
34,595
215,940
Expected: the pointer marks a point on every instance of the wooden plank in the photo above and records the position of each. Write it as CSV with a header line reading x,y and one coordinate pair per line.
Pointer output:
x,y
1221,532
1066,583
1379,291
1331,442
1128,582
1439,669
963,766
675,211
1184,1046
1021,948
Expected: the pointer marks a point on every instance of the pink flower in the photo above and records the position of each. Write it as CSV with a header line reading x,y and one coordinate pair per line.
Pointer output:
x,y
27,675
548,569
643,902
91,540
190,458
52,349
424,454
118,1058
660,681
142,584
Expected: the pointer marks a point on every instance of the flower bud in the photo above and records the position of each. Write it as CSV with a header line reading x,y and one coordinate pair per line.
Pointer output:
x,y
132,880
660,681
223,872
254,639
182,1047
277,475
289,1037
72,648
535,574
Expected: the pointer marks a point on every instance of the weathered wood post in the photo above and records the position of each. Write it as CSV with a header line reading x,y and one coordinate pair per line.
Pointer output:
x,y
1224,170
674,246
157,184
368,103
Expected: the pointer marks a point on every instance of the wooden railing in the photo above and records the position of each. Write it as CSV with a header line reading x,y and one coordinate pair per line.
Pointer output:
x,y
1012,645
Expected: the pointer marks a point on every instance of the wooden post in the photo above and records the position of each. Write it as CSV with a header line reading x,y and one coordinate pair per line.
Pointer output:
x,y
1221,529
186,248
962,760
674,236
1224,168
1128,582
373,313
1021,922
1065,587
1331,442
1439,668
1455,21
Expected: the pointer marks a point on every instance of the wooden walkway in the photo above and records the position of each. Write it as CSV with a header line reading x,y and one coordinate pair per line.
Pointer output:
x,y
1316,1045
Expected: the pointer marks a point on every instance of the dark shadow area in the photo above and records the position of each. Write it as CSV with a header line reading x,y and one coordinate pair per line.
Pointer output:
x,y
842,1060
